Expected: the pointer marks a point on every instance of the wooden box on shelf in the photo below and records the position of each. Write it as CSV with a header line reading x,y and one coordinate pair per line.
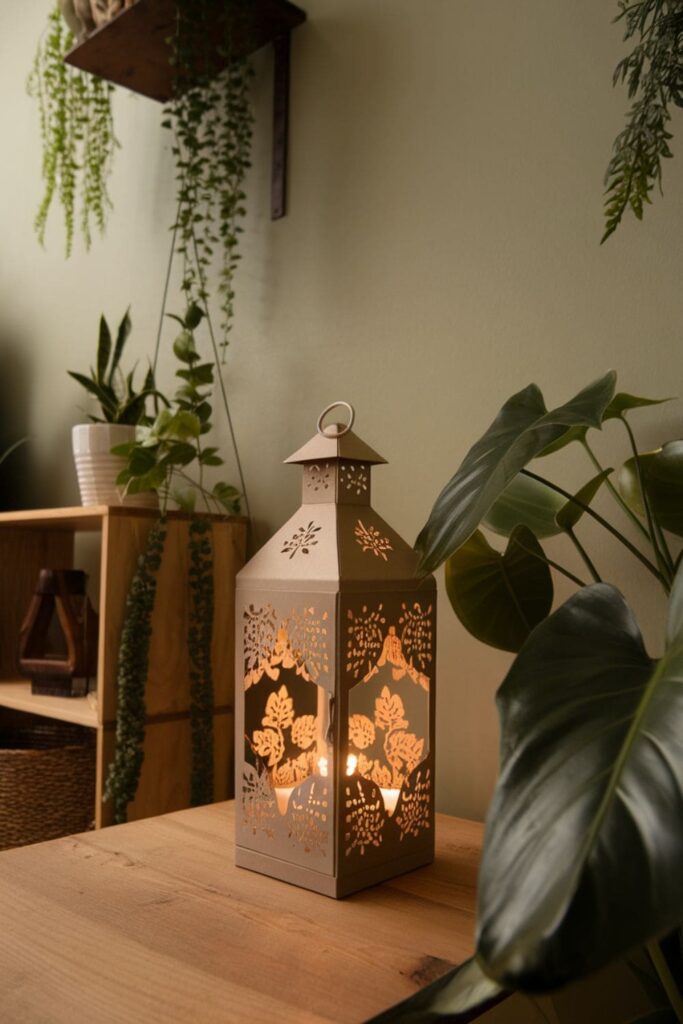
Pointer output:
x,y
30,541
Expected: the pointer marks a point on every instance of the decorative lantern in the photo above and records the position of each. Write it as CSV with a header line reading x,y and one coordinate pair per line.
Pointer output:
x,y
335,686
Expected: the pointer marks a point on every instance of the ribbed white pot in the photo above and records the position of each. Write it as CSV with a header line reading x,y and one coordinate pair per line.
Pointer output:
x,y
97,469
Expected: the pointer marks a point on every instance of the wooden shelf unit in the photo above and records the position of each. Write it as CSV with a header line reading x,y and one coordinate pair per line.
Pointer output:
x,y
30,541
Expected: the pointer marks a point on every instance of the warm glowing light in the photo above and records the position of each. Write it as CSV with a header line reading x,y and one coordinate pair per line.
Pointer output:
x,y
351,764
282,795
390,797
322,766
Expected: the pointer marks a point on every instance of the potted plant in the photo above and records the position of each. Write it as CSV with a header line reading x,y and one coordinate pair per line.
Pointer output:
x,y
584,837
122,409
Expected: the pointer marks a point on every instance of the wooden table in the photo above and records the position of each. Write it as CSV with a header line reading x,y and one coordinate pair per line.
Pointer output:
x,y
152,922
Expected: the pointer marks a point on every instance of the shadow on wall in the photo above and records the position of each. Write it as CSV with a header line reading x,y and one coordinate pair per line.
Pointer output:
x,y
15,472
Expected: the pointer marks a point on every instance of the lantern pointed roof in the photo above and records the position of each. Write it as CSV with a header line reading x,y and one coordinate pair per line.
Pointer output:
x,y
338,442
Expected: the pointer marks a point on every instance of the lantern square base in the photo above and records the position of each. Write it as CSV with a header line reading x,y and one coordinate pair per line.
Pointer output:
x,y
328,885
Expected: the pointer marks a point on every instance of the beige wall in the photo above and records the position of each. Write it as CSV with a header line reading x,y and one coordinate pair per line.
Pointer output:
x,y
441,251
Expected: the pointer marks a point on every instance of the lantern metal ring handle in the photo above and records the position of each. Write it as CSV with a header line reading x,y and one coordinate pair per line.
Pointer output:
x,y
335,429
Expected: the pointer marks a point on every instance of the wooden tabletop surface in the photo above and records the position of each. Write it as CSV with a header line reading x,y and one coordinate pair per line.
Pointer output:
x,y
152,922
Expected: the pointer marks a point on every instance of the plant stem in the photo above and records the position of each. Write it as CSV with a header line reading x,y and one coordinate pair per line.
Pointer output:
x,y
554,565
224,394
584,555
614,492
666,978
661,560
603,522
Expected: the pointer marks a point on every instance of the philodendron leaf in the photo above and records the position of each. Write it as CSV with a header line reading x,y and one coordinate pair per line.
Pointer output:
x,y
499,598
662,472
456,992
521,430
584,844
571,512
623,402
525,502
620,404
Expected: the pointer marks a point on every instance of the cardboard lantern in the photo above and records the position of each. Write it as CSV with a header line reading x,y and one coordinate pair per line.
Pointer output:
x,y
335,686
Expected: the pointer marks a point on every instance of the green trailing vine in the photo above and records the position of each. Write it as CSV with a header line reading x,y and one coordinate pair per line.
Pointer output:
x,y
131,676
200,632
653,74
162,458
77,134
211,120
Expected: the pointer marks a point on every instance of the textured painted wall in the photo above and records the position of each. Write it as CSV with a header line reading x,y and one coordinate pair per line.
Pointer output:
x,y
441,251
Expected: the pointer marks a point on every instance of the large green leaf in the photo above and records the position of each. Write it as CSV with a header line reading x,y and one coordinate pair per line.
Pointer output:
x,y
525,502
499,598
623,403
121,339
662,472
521,430
620,404
456,992
584,844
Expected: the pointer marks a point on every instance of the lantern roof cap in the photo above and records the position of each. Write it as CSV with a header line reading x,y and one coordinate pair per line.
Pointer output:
x,y
336,441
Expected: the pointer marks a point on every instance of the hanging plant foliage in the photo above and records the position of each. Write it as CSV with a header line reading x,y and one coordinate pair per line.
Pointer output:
x,y
77,132
653,74
211,120
131,676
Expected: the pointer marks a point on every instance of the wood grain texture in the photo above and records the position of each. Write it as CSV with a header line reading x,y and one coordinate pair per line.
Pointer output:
x,y
30,541
152,922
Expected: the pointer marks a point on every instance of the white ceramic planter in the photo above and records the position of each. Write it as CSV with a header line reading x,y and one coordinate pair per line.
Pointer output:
x,y
97,469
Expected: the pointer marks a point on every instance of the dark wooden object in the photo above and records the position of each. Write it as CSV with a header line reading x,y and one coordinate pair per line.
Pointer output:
x,y
60,597
133,50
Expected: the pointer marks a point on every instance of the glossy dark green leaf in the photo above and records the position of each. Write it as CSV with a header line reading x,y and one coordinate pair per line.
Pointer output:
x,y
623,403
193,316
584,841
525,502
569,437
499,598
522,429
662,472
103,351
570,513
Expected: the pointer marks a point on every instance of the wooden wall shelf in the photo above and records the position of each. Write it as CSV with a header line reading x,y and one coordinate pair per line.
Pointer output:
x,y
30,541
133,50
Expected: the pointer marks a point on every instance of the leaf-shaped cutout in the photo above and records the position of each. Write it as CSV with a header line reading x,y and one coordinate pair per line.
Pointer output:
x,y
389,711
303,730
279,710
361,731
381,775
571,512
268,743
404,748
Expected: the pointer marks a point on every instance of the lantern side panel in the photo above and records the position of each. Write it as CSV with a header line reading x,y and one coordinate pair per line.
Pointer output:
x,y
386,734
284,750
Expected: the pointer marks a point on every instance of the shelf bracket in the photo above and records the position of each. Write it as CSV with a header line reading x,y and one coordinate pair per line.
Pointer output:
x,y
278,185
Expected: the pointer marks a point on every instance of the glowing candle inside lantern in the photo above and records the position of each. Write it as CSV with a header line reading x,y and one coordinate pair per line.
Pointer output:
x,y
390,797
323,766
351,764
282,795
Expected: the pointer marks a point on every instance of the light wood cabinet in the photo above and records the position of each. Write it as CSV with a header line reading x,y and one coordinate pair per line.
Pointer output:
x,y
30,541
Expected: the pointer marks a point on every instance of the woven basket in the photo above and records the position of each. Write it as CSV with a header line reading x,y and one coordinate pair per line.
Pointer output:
x,y
47,781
